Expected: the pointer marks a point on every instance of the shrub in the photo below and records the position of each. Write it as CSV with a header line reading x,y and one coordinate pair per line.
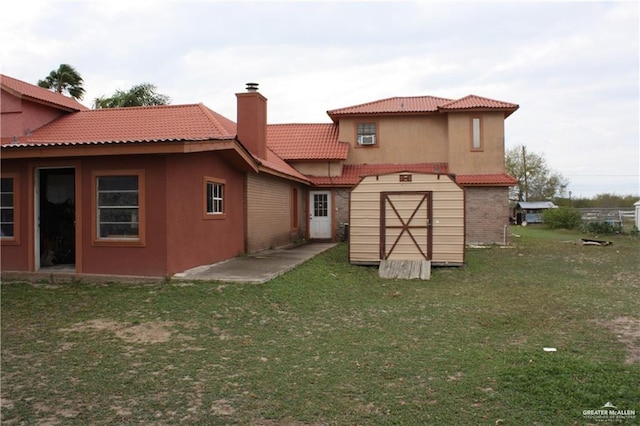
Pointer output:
x,y
562,217
603,228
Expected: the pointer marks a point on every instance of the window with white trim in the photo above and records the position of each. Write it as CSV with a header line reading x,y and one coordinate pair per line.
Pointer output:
x,y
7,208
118,207
215,198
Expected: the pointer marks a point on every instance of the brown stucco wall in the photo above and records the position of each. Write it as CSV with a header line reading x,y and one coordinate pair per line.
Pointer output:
x,y
462,159
20,116
487,213
193,240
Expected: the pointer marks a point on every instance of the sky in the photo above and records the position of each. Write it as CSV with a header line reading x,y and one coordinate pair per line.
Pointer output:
x,y
572,67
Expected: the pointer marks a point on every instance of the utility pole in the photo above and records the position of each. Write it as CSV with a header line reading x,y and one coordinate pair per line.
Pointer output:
x,y
525,172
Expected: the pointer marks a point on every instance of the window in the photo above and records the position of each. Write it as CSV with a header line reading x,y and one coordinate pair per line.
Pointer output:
x,y
119,207
366,134
320,205
7,208
214,205
476,134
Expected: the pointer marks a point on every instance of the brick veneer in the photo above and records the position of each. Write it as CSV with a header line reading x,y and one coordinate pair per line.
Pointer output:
x,y
487,212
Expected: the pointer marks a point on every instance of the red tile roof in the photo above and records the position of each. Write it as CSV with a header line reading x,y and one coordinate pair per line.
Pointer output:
x,y
496,179
306,141
352,173
478,102
414,104
137,124
40,94
423,104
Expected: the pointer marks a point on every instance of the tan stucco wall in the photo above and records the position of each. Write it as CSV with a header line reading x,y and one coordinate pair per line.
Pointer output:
x,y
462,159
413,139
318,168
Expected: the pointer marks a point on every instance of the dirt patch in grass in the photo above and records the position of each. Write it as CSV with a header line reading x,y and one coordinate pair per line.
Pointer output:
x,y
628,331
146,332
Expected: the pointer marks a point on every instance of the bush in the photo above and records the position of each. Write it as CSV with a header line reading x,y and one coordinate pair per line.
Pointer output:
x,y
603,228
562,217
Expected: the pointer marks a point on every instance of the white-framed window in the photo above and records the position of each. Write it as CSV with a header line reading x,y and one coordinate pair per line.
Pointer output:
x,y
214,198
7,208
118,206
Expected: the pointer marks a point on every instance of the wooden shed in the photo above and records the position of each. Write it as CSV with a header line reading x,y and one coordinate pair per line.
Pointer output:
x,y
407,216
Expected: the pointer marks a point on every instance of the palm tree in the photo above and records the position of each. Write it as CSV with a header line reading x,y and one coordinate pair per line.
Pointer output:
x,y
139,95
65,78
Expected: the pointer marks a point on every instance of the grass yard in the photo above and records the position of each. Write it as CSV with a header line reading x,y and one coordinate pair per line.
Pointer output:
x,y
331,343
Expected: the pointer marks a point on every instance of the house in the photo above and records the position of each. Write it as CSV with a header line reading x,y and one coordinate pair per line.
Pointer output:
x,y
146,191
151,191
463,138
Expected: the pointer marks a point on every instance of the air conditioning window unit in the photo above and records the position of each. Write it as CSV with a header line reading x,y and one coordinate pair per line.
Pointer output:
x,y
367,139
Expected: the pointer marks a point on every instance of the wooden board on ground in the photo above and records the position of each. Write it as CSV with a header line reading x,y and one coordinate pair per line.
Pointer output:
x,y
405,269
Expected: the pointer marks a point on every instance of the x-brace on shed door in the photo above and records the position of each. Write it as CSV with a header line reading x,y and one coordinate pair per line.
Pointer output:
x,y
405,225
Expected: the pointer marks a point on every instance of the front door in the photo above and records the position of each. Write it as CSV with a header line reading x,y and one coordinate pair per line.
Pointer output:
x,y
55,218
320,215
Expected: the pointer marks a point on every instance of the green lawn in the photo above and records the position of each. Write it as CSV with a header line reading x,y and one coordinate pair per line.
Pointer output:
x,y
332,343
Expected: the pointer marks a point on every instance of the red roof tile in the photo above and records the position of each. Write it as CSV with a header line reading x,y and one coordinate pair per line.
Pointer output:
x,y
306,141
496,179
137,124
40,94
414,104
478,102
423,104
352,173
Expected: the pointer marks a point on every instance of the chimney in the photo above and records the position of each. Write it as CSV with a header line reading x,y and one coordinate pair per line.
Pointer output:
x,y
252,121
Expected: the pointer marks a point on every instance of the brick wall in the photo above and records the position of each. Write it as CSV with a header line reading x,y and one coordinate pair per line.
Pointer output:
x,y
269,212
487,212
341,199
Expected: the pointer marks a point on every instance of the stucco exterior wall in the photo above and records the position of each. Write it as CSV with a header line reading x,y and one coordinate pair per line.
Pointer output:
x,y
19,117
269,221
487,214
409,139
193,237
318,168
462,159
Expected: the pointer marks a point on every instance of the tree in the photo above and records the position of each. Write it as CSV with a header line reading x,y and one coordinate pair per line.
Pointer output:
x,y
64,79
535,180
139,95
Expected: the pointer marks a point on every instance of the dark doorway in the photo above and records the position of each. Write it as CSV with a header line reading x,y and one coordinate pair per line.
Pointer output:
x,y
57,217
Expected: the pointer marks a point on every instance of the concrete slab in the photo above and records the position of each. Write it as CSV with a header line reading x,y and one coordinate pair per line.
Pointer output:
x,y
257,268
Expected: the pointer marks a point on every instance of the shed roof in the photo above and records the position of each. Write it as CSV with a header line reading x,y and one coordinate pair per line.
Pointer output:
x,y
536,205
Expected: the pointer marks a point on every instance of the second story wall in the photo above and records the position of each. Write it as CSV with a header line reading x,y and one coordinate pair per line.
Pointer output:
x,y
318,168
408,139
20,116
476,142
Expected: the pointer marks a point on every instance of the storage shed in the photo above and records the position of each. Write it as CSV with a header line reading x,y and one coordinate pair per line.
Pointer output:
x,y
407,216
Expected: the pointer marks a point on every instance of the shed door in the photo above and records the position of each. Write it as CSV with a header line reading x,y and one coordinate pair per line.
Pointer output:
x,y
405,225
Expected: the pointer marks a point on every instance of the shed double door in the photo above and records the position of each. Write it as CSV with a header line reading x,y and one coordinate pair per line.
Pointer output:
x,y
405,225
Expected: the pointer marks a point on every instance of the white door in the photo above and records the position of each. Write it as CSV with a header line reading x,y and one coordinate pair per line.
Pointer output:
x,y
320,214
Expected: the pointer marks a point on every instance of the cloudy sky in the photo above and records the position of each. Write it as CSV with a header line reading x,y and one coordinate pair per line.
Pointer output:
x,y
573,67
